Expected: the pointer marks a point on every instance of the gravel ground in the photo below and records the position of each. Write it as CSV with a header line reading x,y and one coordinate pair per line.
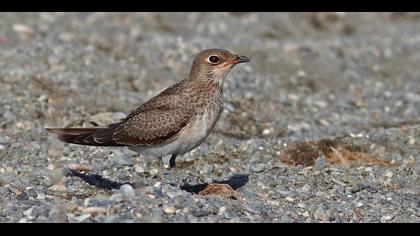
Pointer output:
x,y
322,126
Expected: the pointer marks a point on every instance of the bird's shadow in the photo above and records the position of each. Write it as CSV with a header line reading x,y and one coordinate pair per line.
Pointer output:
x,y
236,181
97,180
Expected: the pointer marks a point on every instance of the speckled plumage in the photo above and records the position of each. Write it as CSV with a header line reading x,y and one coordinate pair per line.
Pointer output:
x,y
175,121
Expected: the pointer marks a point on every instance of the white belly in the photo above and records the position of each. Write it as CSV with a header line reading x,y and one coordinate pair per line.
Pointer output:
x,y
189,138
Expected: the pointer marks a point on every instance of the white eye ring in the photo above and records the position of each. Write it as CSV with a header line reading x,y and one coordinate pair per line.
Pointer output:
x,y
213,59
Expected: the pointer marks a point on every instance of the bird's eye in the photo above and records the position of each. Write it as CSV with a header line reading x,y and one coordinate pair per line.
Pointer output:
x,y
213,59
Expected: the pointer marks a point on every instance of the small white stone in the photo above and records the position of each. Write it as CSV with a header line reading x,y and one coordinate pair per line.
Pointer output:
x,y
82,217
28,213
23,220
154,171
22,29
266,131
169,210
289,199
386,218
306,188
58,187
411,141
222,210
301,73
389,174
301,205
40,196
139,169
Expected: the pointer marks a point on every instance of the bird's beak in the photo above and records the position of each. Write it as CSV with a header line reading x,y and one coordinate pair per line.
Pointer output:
x,y
237,59
240,59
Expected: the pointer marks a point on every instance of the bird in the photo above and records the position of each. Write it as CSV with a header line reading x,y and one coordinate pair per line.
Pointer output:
x,y
175,121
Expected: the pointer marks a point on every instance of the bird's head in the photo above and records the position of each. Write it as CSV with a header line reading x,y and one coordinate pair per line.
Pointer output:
x,y
214,64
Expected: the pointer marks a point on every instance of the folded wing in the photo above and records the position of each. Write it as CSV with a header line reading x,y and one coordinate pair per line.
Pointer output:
x,y
158,121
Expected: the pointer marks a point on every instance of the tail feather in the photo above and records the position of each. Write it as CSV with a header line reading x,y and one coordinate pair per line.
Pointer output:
x,y
101,136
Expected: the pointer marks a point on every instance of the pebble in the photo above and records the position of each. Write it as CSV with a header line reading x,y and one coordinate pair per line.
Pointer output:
x,y
207,169
284,219
28,213
322,214
290,199
154,171
58,188
139,169
301,205
306,188
358,187
121,158
200,213
94,210
266,131
117,197
23,196
23,29
128,191
320,163
283,192
82,217
169,210
250,209
222,210
100,201
23,220
172,195
411,140
339,182
372,190
386,218
158,192
258,168
386,178
31,192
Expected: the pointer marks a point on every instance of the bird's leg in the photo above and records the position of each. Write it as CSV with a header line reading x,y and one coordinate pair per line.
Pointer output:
x,y
172,167
172,163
